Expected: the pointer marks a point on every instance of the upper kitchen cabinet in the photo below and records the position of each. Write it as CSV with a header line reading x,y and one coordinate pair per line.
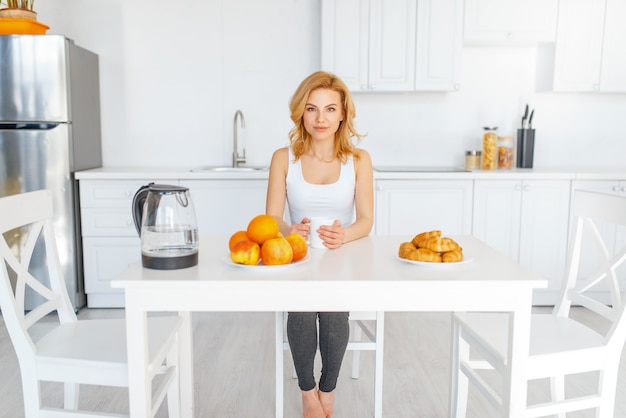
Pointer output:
x,y
439,42
590,53
510,22
392,45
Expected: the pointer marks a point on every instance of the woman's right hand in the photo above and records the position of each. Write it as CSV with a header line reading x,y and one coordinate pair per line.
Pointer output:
x,y
302,228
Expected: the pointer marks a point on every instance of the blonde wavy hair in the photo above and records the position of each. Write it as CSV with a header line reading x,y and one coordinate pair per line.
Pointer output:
x,y
346,134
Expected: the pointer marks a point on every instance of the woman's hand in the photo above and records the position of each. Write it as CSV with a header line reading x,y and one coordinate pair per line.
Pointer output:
x,y
302,228
333,236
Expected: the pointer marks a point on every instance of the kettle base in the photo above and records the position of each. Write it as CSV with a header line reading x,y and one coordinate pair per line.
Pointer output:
x,y
169,263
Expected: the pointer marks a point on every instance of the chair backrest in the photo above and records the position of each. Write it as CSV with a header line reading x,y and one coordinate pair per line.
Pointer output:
x,y
26,224
598,219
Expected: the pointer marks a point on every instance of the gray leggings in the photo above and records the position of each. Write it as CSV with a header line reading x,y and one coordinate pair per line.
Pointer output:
x,y
333,340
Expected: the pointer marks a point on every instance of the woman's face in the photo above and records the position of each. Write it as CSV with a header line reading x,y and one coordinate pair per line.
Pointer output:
x,y
322,114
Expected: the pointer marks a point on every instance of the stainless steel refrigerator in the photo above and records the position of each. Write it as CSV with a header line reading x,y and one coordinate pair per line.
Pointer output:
x,y
49,129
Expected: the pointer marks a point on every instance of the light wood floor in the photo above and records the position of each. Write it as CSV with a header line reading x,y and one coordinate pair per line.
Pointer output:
x,y
234,372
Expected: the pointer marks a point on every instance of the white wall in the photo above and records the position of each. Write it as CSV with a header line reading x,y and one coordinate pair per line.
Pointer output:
x,y
173,77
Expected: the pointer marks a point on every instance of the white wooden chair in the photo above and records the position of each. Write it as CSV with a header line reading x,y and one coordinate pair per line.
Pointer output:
x,y
559,345
73,352
359,325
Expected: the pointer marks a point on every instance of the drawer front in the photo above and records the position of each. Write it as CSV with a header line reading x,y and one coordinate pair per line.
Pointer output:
x,y
112,193
105,258
108,223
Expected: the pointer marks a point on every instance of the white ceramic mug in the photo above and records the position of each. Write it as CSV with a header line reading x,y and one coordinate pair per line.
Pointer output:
x,y
314,238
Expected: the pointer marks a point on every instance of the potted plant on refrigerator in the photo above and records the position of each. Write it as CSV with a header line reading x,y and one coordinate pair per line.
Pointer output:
x,y
20,9
17,17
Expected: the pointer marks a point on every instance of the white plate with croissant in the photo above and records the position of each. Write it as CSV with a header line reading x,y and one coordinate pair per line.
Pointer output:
x,y
431,249
438,264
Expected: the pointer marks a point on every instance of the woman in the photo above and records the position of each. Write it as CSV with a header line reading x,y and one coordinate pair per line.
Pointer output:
x,y
322,173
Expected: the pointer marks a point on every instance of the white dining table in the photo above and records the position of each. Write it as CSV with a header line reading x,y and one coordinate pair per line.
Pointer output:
x,y
363,275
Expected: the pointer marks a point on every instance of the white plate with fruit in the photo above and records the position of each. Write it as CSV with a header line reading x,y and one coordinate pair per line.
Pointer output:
x,y
264,267
261,247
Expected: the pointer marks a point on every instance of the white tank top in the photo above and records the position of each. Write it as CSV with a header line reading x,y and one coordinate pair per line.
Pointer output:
x,y
334,200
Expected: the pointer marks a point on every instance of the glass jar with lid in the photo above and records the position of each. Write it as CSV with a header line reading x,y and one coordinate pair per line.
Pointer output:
x,y
472,159
490,148
505,152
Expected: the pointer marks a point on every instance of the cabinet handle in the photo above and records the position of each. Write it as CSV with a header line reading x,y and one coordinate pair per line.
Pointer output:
x,y
372,87
518,187
526,187
457,86
596,87
617,189
623,189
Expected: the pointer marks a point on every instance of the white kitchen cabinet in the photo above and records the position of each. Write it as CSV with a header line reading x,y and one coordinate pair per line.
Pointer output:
x,y
226,206
528,220
408,207
614,237
439,43
110,239
510,22
589,53
398,45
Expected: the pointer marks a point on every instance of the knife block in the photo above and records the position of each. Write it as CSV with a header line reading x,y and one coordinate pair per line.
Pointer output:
x,y
525,148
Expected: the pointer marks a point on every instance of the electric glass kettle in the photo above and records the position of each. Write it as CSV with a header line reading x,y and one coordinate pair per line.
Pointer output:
x,y
166,223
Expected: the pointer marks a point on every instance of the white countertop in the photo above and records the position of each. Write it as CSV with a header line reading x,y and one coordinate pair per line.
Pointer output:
x,y
141,173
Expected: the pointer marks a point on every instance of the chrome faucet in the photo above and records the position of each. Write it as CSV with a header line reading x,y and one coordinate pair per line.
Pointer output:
x,y
237,159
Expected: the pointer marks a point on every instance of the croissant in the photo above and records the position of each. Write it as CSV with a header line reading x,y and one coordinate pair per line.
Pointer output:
x,y
453,256
424,254
440,244
405,249
419,239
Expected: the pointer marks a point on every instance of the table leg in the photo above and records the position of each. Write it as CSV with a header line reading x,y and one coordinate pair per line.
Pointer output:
x,y
514,402
139,384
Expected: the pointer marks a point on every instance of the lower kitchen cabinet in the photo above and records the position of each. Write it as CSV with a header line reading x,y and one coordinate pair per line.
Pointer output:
x,y
110,239
614,237
529,221
105,258
408,207
226,206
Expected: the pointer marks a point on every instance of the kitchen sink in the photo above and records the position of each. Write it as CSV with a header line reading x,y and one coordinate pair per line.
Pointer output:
x,y
228,169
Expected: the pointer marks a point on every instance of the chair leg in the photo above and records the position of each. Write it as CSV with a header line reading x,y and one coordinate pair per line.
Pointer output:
x,y
70,395
378,370
458,381
32,396
607,387
279,363
557,390
173,392
356,354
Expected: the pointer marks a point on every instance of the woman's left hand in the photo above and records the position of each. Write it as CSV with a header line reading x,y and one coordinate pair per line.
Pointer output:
x,y
302,228
333,236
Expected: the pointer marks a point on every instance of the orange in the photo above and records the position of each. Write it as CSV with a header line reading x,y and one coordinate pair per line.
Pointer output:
x,y
298,245
235,238
276,251
261,228
246,252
